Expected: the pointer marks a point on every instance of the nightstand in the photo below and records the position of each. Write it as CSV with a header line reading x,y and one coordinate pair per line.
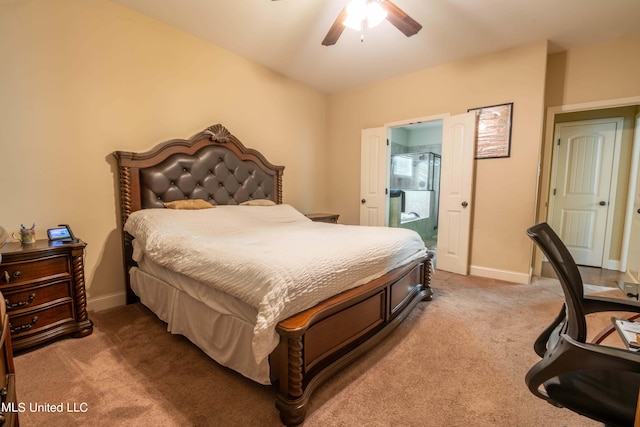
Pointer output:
x,y
44,290
323,217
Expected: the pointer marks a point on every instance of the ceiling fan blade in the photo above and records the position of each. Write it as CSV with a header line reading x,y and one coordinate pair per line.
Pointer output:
x,y
336,29
399,19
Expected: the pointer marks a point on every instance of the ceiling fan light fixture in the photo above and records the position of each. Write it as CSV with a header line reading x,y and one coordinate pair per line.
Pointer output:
x,y
356,13
353,23
360,10
375,14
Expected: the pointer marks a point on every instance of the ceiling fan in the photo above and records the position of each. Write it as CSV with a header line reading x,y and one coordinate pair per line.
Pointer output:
x,y
373,11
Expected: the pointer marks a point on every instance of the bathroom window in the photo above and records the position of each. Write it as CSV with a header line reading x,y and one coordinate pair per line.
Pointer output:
x,y
402,166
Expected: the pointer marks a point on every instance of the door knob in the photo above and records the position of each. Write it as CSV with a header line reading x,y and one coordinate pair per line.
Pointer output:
x,y
465,204
603,203
363,201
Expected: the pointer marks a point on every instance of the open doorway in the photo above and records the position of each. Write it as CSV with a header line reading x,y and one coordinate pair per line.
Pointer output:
x,y
582,205
620,242
450,209
414,178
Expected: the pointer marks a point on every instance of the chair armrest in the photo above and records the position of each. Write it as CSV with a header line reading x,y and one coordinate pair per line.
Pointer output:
x,y
600,304
541,343
570,355
624,360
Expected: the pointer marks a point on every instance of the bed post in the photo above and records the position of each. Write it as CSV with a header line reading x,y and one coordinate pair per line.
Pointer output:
x,y
292,401
126,208
428,273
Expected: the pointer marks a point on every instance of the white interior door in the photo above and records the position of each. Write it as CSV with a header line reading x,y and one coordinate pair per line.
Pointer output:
x,y
456,185
581,193
633,256
373,176
633,263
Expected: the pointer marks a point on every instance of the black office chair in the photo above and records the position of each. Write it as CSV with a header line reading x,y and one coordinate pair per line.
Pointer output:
x,y
593,380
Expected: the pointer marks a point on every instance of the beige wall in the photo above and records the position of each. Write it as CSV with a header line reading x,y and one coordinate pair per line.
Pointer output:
x,y
593,73
505,189
81,79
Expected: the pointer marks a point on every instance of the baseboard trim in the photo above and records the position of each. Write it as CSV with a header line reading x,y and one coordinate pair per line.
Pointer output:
x,y
107,301
629,278
507,276
612,264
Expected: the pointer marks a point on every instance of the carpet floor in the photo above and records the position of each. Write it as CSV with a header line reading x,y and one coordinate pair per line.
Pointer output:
x,y
459,360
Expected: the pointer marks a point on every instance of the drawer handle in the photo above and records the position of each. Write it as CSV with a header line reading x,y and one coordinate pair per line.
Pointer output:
x,y
19,303
7,278
23,327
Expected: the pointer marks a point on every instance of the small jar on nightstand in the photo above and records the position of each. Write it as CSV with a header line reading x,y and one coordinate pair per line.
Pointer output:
x,y
323,217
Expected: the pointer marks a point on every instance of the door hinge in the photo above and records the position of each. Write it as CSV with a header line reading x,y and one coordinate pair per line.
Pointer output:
x,y
386,191
558,141
387,141
554,191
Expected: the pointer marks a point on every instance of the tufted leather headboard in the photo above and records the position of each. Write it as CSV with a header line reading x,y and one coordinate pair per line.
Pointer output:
x,y
212,165
214,173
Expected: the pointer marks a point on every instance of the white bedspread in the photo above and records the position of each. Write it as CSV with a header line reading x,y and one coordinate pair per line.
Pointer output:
x,y
272,257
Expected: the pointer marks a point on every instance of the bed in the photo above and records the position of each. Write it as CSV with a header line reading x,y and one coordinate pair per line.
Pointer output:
x,y
286,311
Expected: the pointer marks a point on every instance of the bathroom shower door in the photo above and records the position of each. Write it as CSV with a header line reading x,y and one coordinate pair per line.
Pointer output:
x,y
413,198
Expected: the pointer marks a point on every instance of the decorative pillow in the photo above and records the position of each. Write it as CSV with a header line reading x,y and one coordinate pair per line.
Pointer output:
x,y
258,202
189,204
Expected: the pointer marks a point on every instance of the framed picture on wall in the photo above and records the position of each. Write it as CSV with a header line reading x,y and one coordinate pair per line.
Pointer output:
x,y
493,131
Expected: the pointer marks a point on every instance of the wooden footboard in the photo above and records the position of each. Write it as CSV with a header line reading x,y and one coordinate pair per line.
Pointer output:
x,y
320,341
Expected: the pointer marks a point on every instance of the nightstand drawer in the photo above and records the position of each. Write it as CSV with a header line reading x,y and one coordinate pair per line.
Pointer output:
x,y
37,320
18,272
37,295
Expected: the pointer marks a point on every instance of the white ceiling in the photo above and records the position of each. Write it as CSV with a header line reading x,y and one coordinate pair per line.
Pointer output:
x,y
285,35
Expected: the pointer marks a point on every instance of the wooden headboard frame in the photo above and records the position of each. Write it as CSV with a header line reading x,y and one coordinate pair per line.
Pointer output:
x,y
212,165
